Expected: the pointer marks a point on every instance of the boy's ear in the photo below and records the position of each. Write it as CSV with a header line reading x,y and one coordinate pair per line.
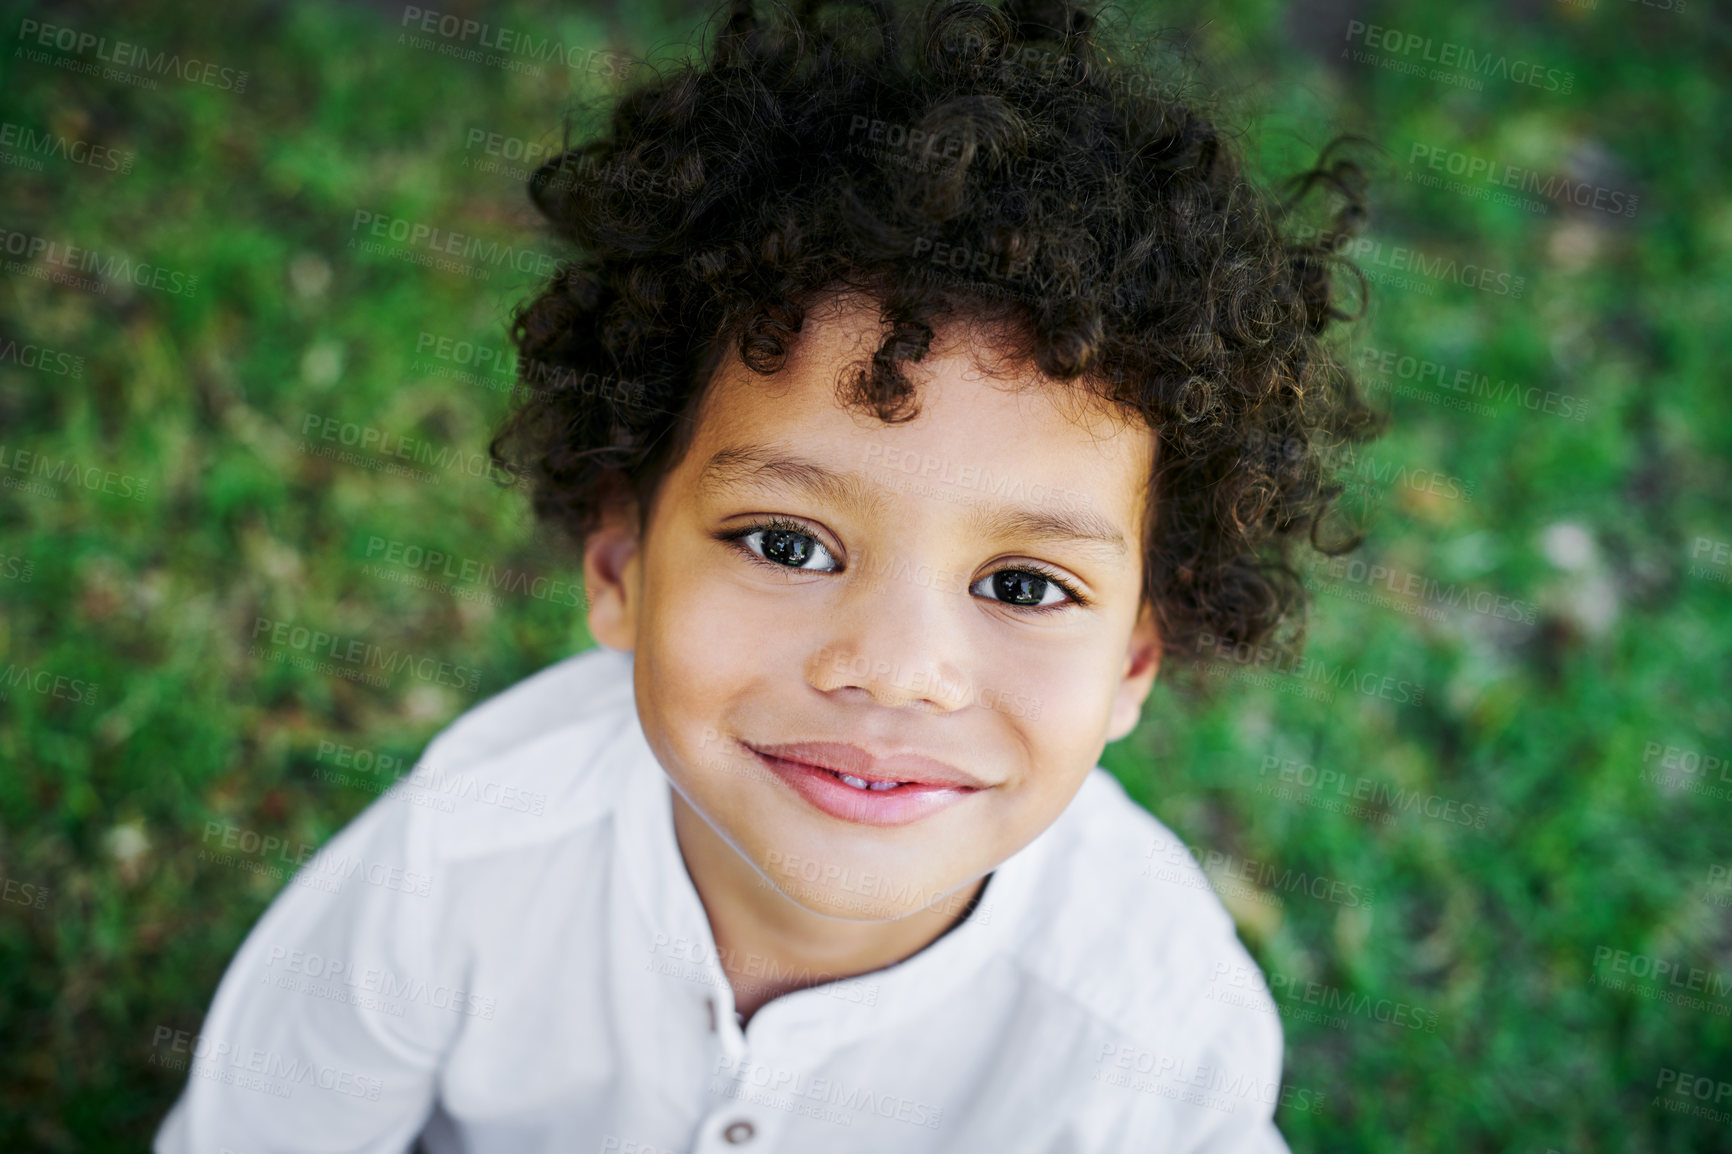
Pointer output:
x,y
613,577
1142,662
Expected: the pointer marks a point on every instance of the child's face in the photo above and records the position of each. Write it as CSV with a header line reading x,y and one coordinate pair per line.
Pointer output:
x,y
869,615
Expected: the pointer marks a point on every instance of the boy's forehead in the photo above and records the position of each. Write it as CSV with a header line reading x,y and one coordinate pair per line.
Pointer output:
x,y
988,431
1025,510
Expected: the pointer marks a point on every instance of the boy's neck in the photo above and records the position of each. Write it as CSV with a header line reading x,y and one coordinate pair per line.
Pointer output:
x,y
768,945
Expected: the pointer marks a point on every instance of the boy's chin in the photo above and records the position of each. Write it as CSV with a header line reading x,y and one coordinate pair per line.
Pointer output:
x,y
894,900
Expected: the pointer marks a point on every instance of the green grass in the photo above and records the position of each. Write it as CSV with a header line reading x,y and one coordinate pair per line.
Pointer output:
x,y
1535,713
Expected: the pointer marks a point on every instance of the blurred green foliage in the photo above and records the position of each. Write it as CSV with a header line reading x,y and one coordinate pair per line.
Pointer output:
x,y
1543,593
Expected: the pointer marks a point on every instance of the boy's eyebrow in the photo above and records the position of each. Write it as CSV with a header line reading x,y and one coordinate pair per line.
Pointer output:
x,y
728,467
1081,526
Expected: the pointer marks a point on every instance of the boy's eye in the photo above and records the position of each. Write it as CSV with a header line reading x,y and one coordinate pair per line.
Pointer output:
x,y
1021,587
789,548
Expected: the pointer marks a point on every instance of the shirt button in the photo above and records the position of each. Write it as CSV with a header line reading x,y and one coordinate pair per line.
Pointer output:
x,y
739,1132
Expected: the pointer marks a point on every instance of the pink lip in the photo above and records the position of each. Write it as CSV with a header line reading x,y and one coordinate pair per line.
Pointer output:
x,y
839,757
810,767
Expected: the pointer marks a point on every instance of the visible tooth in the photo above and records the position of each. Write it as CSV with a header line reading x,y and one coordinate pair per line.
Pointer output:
x,y
883,785
856,782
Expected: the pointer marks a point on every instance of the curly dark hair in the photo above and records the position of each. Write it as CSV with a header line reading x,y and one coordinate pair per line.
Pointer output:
x,y
994,162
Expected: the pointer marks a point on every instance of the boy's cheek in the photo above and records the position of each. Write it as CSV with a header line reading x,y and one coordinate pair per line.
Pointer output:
x,y
718,632
1057,697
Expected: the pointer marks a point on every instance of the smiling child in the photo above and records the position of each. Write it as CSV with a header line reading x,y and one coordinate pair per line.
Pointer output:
x,y
952,381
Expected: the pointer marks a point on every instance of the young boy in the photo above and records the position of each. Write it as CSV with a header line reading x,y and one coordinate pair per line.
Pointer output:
x,y
919,386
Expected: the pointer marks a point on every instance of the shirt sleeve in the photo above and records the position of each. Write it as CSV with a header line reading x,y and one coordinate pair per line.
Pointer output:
x,y
328,1027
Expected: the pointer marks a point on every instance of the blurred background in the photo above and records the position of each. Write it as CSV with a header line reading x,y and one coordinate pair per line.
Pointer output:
x,y
1480,842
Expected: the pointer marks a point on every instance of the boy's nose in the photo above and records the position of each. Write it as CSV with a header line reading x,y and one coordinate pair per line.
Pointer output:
x,y
899,647
936,687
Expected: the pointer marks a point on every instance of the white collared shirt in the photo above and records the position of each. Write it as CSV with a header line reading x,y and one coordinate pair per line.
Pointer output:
x,y
504,953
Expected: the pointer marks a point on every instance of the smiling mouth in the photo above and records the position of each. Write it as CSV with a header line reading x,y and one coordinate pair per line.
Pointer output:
x,y
849,783
860,782
863,784
860,769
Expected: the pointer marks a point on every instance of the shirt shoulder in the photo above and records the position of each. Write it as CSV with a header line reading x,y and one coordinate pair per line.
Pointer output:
x,y
530,765
1134,936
